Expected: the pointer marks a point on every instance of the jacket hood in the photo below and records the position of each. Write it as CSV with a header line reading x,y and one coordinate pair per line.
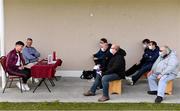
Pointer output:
x,y
173,53
121,52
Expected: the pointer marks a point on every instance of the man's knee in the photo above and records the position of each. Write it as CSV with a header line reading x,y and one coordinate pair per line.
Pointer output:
x,y
163,80
104,79
144,70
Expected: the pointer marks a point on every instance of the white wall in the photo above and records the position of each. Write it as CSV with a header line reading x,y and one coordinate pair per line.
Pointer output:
x,y
67,27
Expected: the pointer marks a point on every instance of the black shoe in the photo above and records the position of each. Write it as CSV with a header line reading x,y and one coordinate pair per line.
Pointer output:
x,y
152,92
89,93
103,99
159,99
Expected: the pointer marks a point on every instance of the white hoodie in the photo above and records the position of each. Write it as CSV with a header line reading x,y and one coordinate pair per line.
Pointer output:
x,y
168,65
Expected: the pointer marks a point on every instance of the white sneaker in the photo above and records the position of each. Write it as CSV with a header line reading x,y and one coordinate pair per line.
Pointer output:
x,y
36,80
19,86
31,79
26,87
129,80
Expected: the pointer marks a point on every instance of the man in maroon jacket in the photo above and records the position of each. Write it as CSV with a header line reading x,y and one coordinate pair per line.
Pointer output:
x,y
15,65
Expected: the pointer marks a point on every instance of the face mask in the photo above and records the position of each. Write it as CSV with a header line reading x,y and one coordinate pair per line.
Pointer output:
x,y
150,47
111,51
102,49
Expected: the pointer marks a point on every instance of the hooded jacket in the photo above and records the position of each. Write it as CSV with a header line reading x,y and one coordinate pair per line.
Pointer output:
x,y
12,59
149,56
116,64
167,65
101,55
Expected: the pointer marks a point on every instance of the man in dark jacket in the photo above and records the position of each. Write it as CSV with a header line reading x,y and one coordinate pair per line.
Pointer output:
x,y
102,53
149,57
15,65
114,71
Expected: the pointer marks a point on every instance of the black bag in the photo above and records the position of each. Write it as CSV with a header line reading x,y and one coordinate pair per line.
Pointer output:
x,y
88,74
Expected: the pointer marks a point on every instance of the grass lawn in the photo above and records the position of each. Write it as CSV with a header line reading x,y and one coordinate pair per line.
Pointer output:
x,y
87,106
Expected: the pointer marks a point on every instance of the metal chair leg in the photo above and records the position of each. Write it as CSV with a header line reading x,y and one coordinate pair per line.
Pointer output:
x,y
20,84
11,83
32,80
5,85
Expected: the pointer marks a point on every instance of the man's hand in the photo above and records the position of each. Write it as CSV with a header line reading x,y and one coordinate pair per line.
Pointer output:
x,y
99,72
159,76
149,73
95,58
39,59
96,67
21,68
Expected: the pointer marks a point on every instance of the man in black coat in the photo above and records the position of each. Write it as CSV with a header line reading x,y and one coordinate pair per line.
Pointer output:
x,y
115,70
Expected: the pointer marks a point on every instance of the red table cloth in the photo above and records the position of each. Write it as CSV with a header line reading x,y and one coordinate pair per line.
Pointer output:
x,y
44,70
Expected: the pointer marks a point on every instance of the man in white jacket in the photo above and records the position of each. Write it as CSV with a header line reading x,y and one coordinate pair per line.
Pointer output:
x,y
164,69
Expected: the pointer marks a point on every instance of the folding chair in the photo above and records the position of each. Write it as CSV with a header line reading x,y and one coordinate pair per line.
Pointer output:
x,y
9,76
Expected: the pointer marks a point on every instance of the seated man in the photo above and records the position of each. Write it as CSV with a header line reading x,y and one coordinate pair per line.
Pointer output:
x,y
15,65
102,53
149,57
114,71
99,58
30,54
164,69
102,57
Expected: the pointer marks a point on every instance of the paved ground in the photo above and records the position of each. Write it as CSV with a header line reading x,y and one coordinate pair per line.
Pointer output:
x,y
70,89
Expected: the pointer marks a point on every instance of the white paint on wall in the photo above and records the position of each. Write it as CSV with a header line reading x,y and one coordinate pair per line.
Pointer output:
x,y
73,27
2,51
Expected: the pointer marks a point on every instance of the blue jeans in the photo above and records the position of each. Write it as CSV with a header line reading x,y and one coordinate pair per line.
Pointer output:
x,y
160,86
105,82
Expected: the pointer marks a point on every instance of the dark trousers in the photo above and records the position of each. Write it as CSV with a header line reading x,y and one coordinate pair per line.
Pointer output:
x,y
141,69
26,74
132,70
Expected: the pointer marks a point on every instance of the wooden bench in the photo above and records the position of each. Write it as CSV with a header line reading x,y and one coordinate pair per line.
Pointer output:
x,y
169,87
115,87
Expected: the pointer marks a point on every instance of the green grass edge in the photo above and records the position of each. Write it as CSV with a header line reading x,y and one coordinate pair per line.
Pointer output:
x,y
86,106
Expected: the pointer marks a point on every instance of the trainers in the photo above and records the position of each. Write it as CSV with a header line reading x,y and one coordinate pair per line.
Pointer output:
x,y
129,80
103,99
36,80
159,99
20,85
89,93
26,87
152,92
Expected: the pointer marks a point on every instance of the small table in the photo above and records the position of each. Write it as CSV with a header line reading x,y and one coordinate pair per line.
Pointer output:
x,y
44,71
